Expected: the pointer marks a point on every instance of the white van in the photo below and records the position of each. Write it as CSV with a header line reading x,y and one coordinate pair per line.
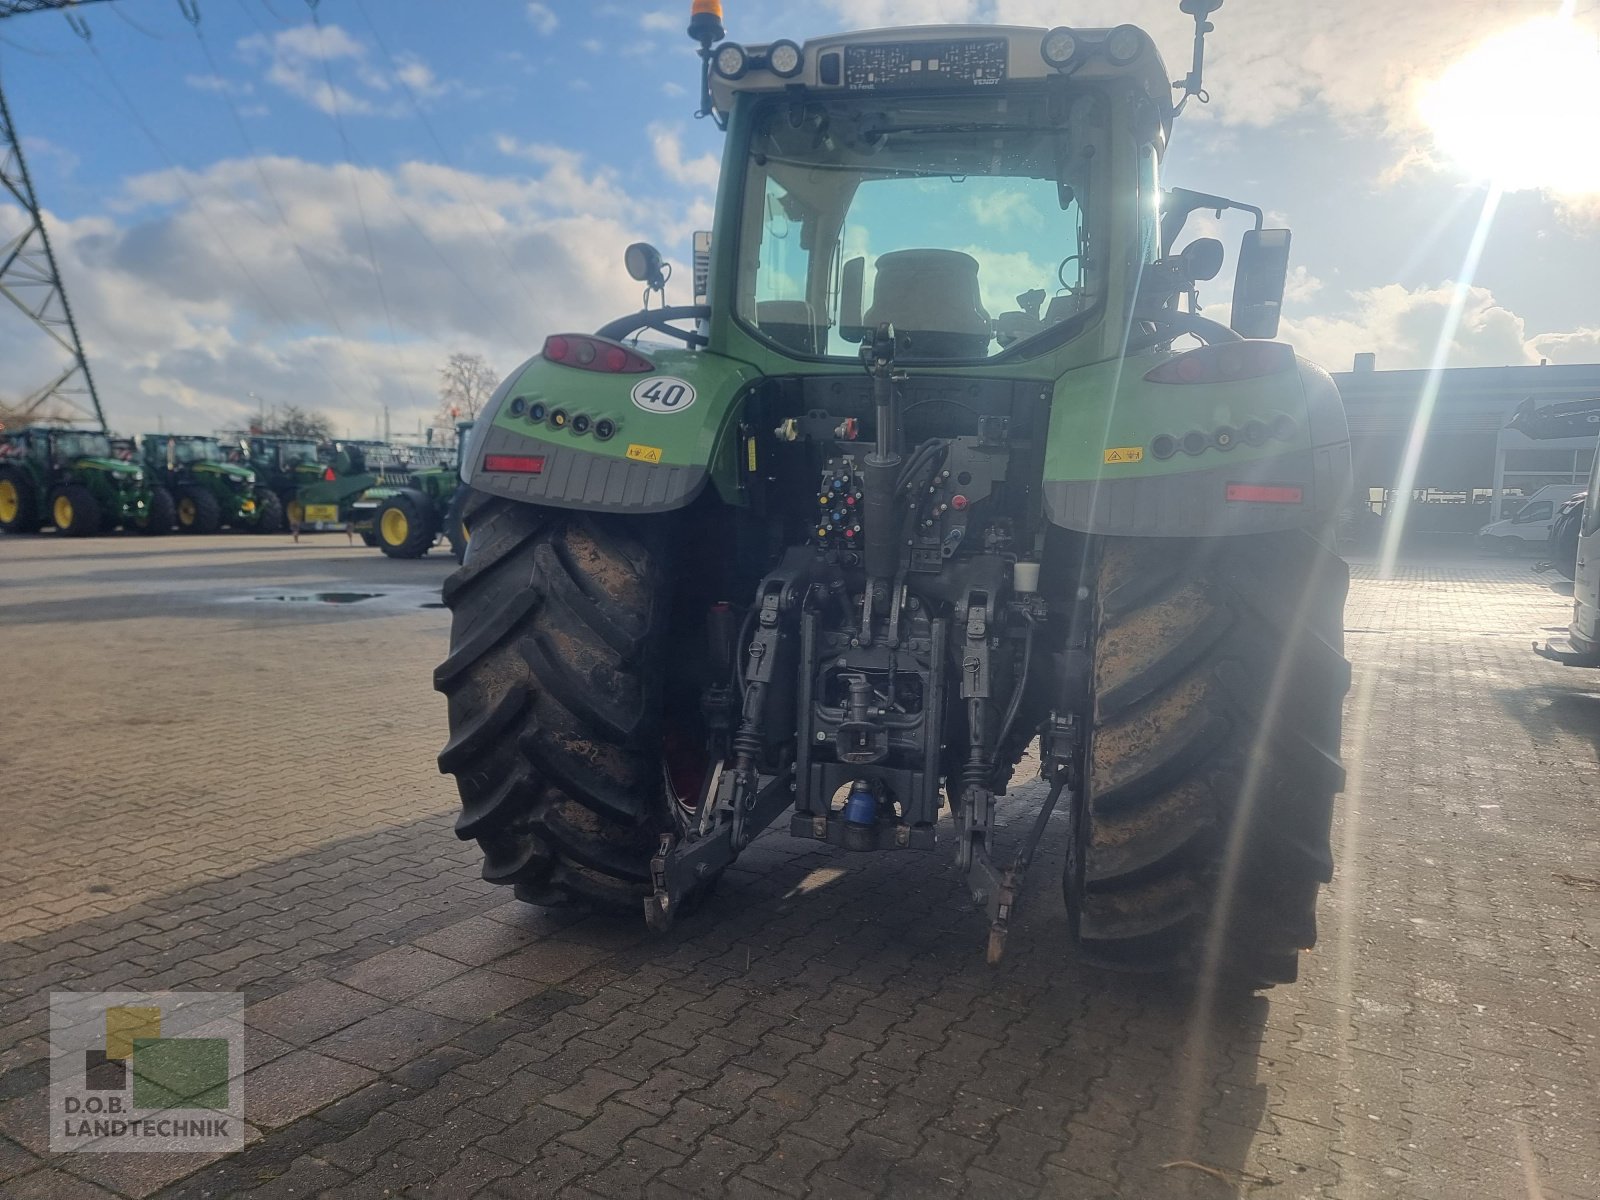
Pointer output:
x,y
1532,522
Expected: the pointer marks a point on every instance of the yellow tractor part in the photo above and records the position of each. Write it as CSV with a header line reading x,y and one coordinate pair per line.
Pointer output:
x,y
295,512
187,512
394,529
62,512
10,501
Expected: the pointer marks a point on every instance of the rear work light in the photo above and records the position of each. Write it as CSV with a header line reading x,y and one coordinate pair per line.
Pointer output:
x,y
1265,493
595,354
1225,362
521,464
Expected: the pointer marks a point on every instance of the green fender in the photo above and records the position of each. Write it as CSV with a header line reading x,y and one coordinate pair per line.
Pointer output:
x,y
671,430
1129,456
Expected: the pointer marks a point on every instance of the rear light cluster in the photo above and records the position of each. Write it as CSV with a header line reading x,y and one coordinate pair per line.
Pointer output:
x,y
595,354
1226,362
537,412
1282,428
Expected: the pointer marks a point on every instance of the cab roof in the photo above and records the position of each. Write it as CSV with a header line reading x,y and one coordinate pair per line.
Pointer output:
x,y
944,58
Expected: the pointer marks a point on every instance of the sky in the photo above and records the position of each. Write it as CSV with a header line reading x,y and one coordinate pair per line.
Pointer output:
x,y
316,204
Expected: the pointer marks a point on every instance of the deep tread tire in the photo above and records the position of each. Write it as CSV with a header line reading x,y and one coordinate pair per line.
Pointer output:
x,y
160,513
554,690
419,525
269,511
1213,762
26,519
198,510
1564,543
86,516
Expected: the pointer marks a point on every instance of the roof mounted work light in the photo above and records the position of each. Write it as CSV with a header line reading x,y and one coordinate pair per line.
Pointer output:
x,y
730,61
1059,48
784,59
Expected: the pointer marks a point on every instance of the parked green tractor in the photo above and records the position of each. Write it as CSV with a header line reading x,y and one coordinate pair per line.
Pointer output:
x,y
74,480
312,492
944,459
208,488
411,506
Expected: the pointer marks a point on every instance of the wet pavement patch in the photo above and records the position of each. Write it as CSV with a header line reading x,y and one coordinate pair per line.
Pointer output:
x,y
324,597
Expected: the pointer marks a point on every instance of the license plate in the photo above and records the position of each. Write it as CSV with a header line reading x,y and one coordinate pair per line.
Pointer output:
x,y
318,514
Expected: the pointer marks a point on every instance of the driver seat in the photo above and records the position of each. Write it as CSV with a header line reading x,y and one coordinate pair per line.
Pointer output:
x,y
931,298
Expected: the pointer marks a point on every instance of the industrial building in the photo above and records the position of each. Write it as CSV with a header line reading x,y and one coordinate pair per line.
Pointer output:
x,y
1471,469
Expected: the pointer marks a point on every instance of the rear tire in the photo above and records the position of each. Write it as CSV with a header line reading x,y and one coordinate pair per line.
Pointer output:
x,y
198,511
1564,543
19,503
1213,760
75,512
159,514
269,511
554,687
404,526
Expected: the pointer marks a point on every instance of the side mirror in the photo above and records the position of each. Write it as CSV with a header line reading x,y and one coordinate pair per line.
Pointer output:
x,y
1258,286
850,288
643,262
1201,259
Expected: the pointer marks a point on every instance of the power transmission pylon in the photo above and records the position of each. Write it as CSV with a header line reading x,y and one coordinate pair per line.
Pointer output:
x,y
29,275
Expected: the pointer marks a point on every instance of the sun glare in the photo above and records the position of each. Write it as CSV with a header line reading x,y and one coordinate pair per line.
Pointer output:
x,y
1517,110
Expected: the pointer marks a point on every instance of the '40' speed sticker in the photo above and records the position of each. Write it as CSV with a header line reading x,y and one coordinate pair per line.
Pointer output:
x,y
663,394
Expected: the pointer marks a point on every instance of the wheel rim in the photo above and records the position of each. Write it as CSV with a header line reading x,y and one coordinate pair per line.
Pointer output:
x,y
186,512
62,512
10,502
394,527
686,769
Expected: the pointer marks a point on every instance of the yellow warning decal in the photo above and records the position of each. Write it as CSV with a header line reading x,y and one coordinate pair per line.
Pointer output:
x,y
1125,454
650,454
750,454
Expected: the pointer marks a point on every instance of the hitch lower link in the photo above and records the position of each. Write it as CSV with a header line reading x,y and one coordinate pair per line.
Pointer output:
x,y
1001,893
690,862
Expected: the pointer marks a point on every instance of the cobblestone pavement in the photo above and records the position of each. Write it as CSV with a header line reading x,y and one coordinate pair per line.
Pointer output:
x,y
206,786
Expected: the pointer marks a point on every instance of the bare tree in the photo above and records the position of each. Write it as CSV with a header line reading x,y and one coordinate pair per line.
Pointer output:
x,y
465,384
293,421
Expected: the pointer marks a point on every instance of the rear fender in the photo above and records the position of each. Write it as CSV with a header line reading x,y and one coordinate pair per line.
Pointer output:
x,y
673,433
1281,436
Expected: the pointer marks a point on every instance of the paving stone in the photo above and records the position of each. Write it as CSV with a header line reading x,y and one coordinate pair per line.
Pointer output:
x,y
310,1011
296,1084
401,973
390,1038
1450,1011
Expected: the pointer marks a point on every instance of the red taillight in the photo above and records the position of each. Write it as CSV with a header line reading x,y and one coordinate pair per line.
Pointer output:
x,y
522,464
1225,362
1265,493
595,354
327,474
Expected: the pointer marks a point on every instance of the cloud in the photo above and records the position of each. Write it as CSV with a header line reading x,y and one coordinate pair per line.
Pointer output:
x,y
1403,326
544,20
220,86
332,71
662,22
700,172
191,294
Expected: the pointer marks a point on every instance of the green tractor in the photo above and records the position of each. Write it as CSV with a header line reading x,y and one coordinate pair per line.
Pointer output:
x,y
314,490
944,460
75,480
411,505
209,488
